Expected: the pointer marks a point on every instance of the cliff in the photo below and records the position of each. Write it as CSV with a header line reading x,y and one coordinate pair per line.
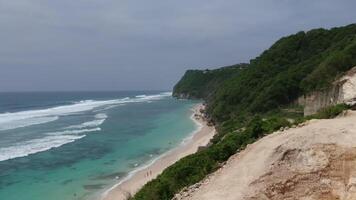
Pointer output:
x,y
343,90
294,66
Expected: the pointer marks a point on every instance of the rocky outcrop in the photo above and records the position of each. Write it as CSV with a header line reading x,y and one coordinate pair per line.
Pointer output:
x,y
322,171
342,91
183,96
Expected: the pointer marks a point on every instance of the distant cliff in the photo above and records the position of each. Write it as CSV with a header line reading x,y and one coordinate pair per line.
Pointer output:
x,y
199,84
298,65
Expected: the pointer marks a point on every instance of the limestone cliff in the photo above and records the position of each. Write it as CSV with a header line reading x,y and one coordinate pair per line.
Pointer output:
x,y
342,91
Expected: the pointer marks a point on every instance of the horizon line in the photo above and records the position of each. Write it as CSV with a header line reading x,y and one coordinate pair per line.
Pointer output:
x,y
29,91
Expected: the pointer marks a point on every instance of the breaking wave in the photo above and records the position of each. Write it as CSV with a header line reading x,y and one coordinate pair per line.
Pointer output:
x,y
34,117
65,135
51,140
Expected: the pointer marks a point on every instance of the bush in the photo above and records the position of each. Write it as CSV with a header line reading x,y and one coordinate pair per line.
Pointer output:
x,y
330,112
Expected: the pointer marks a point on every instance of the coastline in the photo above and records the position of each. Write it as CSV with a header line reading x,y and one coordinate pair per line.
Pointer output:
x,y
138,178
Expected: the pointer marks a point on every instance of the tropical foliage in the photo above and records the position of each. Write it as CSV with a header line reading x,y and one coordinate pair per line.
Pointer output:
x,y
247,102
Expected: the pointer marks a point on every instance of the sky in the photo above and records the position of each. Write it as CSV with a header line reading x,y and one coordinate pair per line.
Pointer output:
x,y
69,45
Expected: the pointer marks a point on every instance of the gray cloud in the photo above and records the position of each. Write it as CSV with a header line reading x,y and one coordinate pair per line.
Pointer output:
x,y
131,44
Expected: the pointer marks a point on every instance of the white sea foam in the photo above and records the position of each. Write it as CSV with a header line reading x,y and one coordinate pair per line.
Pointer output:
x,y
58,138
32,117
13,124
99,119
198,127
74,132
36,145
101,116
107,107
51,140
88,124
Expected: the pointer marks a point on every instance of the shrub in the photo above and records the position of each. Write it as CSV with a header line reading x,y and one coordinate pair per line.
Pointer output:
x,y
330,112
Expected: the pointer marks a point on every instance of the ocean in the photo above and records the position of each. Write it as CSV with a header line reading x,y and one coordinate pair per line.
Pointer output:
x,y
76,145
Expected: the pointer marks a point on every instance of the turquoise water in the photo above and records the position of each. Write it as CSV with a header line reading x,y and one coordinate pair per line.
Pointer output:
x,y
74,146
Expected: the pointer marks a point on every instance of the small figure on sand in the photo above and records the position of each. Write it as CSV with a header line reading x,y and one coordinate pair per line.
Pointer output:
x,y
148,173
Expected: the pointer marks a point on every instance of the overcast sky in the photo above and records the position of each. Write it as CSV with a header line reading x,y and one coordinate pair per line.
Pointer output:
x,y
141,44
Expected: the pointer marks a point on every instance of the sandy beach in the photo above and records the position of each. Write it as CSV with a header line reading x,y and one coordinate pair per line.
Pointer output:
x,y
130,186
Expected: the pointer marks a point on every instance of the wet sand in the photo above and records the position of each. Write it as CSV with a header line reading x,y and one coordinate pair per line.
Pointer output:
x,y
130,186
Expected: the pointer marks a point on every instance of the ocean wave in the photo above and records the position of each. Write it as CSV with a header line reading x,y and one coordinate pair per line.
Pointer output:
x,y
13,124
36,145
88,124
74,132
107,108
32,117
51,140
101,116
99,119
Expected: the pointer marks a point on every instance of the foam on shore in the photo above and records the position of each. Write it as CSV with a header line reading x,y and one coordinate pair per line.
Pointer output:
x,y
176,153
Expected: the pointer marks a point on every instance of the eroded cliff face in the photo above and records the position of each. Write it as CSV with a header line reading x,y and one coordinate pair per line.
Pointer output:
x,y
342,91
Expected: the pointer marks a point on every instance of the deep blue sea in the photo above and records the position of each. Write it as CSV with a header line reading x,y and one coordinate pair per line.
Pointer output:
x,y
75,145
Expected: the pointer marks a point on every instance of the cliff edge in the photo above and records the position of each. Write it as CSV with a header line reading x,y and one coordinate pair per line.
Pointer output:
x,y
316,160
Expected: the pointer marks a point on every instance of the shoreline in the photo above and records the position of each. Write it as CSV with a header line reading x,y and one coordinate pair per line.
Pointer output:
x,y
139,177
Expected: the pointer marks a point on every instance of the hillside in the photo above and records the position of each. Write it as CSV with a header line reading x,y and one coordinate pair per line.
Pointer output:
x,y
200,84
250,102
314,161
295,65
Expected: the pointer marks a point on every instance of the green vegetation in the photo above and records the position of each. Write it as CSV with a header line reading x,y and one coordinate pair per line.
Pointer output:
x,y
248,102
202,83
329,112
293,66
194,168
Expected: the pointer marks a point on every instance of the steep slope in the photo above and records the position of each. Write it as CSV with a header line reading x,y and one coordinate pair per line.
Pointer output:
x,y
314,162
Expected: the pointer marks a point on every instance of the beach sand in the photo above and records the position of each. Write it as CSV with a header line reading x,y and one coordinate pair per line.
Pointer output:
x,y
201,138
